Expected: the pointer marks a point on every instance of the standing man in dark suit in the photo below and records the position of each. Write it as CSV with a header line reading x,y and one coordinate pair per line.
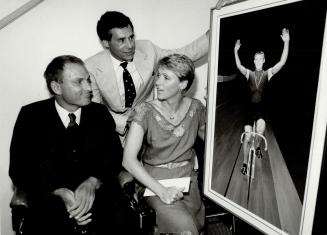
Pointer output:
x,y
65,154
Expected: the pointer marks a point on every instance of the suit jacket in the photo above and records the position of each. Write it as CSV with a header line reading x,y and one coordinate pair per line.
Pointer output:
x,y
147,54
39,161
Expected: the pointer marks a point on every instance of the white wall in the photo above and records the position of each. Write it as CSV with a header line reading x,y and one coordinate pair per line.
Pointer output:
x,y
58,27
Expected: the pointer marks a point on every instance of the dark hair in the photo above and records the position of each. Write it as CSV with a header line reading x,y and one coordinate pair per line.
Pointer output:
x,y
55,68
181,65
259,53
110,20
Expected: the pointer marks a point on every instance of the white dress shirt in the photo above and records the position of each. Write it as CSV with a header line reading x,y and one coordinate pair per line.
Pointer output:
x,y
63,114
119,75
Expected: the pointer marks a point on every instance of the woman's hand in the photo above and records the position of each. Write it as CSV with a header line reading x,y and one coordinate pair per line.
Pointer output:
x,y
171,194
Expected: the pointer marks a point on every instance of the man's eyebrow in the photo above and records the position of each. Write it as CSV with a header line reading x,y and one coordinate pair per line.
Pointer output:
x,y
120,38
82,78
123,37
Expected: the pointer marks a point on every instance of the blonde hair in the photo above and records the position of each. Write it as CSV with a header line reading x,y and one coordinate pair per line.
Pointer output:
x,y
181,65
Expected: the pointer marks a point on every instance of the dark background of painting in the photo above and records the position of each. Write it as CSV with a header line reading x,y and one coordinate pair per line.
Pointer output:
x,y
290,99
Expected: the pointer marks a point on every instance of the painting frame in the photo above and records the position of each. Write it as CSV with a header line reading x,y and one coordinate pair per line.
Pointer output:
x,y
315,155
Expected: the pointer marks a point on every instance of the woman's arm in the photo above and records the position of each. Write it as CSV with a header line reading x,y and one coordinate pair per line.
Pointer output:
x,y
133,165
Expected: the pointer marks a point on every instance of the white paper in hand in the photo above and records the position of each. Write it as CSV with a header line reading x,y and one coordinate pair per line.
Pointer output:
x,y
183,182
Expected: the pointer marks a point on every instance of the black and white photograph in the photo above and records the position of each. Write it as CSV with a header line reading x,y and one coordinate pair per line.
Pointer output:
x,y
163,117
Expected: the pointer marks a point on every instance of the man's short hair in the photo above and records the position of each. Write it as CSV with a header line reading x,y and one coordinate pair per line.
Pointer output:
x,y
55,69
181,65
259,53
110,20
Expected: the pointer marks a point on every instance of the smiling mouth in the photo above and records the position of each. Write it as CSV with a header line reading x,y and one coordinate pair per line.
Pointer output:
x,y
89,95
130,53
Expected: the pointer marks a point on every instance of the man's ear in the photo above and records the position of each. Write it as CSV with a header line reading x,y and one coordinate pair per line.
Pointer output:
x,y
105,43
55,87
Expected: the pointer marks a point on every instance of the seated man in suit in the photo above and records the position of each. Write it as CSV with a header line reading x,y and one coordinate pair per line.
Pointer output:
x,y
65,154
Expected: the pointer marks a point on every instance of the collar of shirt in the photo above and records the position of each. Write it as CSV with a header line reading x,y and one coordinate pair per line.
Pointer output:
x,y
116,63
63,114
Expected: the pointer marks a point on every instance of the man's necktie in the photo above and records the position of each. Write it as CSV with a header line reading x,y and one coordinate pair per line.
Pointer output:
x,y
130,91
72,131
72,120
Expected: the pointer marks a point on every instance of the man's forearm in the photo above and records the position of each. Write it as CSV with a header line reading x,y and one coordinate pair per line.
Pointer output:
x,y
284,53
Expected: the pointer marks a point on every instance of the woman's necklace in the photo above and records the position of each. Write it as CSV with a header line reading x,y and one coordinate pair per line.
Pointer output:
x,y
173,116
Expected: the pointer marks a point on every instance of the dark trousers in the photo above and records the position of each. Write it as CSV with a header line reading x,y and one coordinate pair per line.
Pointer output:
x,y
111,214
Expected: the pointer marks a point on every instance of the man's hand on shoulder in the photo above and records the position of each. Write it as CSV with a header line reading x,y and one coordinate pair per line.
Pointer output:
x,y
220,4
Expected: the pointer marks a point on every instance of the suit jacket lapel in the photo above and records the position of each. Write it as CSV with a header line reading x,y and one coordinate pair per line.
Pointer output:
x,y
85,116
107,83
143,67
53,128
54,116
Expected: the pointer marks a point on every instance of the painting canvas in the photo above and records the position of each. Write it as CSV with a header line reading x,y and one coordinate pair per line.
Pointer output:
x,y
276,190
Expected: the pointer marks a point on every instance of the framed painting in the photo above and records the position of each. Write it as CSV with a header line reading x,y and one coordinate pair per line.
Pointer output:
x,y
267,112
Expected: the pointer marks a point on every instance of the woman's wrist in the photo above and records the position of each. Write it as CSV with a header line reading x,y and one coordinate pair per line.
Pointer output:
x,y
160,190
